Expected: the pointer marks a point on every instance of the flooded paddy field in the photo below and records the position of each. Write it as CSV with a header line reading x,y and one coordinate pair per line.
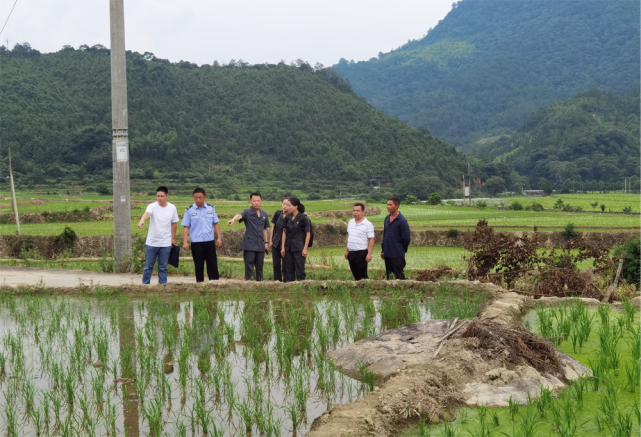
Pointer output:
x,y
214,363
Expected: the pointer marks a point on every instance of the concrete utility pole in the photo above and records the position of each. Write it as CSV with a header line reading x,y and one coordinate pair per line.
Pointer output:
x,y
120,128
14,204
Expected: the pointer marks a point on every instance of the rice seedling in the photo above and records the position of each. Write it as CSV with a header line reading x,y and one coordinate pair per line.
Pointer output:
x,y
29,393
152,411
246,413
621,426
110,415
634,343
293,415
633,375
529,422
579,388
70,385
608,399
37,420
448,428
423,429
11,418
366,376
494,415
629,312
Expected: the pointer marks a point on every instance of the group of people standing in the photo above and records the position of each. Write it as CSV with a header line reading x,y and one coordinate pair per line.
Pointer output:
x,y
288,239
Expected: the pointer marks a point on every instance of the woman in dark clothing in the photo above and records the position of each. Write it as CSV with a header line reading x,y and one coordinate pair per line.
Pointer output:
x,y
278,220
296,234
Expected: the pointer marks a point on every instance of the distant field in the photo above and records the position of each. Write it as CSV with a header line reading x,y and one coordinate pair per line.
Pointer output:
x,y
613,201
420,216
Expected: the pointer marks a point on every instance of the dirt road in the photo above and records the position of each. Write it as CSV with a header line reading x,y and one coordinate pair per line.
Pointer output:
x,y
13,276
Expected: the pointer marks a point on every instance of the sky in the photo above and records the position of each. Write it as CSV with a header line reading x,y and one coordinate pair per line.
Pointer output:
x,y
202,31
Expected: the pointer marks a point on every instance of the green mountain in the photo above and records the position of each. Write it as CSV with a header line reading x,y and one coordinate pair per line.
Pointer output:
x,y
489,63
593,136
291,126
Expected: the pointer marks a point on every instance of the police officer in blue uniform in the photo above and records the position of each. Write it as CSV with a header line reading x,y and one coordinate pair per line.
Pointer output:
x,y
199,223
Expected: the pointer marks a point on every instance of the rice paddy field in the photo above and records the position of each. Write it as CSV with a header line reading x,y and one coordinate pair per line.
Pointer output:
x,y
441,217
605,404
232,364
422,216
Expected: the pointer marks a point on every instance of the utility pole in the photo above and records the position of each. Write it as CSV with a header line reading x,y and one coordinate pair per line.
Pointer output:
x,y
14,204
120,129
469,182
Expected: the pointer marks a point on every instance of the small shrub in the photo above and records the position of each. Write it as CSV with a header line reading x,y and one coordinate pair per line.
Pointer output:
x,y
515,206
435,199
536,206
452,233
578,208
625,290
602,207
594,205
107,262
627,210
313,196
567,208
104,190
559,204
481,204
410,200
450,202
138,256
569,233
631,250
66,238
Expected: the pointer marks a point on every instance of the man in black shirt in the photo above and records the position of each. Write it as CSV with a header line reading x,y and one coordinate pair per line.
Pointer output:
x,y
256,239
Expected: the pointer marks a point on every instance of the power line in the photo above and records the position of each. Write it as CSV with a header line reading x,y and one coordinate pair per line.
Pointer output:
x,y
5,23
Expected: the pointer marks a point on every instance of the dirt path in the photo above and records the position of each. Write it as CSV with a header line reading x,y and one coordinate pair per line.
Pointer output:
x,y
13,276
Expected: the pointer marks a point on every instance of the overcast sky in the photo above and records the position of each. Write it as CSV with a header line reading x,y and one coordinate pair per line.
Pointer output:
x,y
202,31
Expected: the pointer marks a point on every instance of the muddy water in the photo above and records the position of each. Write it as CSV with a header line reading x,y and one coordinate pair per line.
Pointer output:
x,y
52,344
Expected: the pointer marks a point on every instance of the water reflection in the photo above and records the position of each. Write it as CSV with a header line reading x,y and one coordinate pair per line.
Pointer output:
x,y
221,366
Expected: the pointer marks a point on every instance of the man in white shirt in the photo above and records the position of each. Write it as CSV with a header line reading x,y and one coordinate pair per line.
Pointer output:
x,y
360,242
161,235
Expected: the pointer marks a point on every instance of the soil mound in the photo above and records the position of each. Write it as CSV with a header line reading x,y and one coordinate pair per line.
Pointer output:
x,y
431,368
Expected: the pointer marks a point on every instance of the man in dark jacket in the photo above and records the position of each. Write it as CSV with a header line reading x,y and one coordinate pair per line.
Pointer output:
x,y
396,240
256,239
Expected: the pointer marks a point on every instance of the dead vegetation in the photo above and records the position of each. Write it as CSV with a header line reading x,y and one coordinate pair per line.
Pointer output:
x,y
514,345
507,259
433,274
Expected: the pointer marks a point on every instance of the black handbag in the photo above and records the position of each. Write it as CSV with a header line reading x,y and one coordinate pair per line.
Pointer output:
x,y
174,258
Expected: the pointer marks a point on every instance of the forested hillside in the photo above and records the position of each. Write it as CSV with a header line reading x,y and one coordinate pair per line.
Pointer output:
x,y
593,136
489,63
292,125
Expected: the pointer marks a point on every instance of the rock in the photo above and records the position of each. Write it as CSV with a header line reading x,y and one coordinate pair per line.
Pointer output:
x,y
636,301
382,338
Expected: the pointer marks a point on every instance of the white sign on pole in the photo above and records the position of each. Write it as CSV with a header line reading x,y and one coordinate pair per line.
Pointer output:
x,y
467,192
122,151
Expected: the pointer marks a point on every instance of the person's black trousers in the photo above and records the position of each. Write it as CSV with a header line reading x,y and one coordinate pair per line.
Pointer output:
x,y
358,263
253,259
395,266
201,253
294,267
278,264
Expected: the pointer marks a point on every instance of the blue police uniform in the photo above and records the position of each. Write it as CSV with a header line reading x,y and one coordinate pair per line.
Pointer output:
x,y
200,222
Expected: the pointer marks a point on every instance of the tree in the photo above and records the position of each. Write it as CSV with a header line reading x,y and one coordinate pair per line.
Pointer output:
x,y
494,184
546,186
